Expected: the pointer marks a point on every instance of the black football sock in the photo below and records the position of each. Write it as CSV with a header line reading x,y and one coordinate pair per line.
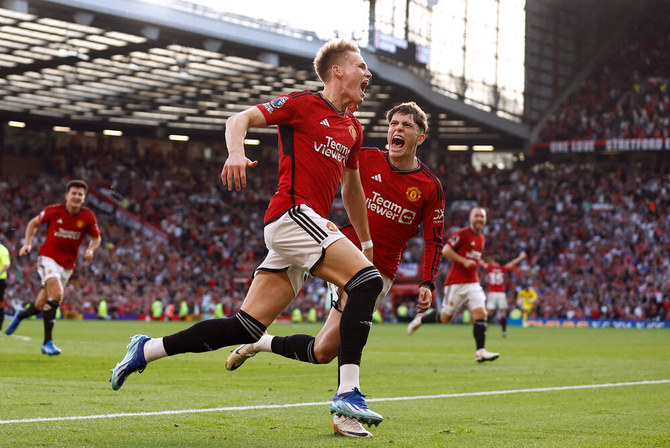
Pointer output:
x,y
215,333
503,322
2,315
479,330
489,318
49,318
430,317
296,346
28,312
356,321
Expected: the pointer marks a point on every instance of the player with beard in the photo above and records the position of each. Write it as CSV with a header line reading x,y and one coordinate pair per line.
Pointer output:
x,y
319,144
401,194
67,225
462,286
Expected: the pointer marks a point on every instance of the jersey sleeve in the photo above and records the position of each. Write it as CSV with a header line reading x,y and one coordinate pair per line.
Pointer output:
x,y
352,160
281,110
93,229
433,227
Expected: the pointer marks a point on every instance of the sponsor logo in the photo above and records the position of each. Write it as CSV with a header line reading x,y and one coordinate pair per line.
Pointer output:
x,y
366,323
325,122
454,240
473,254
439,215
352,131
377,177
333,149
67,234
389,209
413,194
332,227
60,221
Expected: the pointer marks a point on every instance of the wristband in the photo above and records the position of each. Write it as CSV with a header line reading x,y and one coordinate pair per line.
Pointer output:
x,y
366,244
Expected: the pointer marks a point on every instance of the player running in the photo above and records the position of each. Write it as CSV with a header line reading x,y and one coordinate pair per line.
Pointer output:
x,y
319,143
401,194
67,225
462,286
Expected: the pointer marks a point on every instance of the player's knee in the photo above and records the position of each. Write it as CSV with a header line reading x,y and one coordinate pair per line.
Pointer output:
x,y
324,355
445,317
365,285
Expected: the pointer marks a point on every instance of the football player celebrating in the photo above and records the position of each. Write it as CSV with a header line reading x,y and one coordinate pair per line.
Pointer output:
x,y
67,225
401,194
319,144
462,286
497,297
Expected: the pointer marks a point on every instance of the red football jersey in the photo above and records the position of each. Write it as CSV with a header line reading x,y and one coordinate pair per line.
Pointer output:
x,y
398,202
316,142
465,243
65,233
496,277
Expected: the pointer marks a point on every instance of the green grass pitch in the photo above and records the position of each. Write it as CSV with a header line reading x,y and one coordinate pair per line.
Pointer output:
x,y
534,404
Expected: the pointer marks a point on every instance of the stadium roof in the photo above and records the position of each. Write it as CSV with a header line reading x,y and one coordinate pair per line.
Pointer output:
x,y
154,70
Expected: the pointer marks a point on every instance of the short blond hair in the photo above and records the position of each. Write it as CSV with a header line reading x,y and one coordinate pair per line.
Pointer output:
x,y
331,54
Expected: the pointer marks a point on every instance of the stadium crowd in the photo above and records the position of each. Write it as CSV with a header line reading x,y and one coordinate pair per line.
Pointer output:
x,y
598,237
627,96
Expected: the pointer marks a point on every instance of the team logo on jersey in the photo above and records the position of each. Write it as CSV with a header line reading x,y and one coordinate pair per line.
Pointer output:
x,y
352,131
332,227
413,194
80,224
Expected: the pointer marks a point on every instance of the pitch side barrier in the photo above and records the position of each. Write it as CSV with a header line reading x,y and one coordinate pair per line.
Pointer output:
x,y
591,323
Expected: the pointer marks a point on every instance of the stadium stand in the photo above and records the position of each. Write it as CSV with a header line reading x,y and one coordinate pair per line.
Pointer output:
x,y
597,236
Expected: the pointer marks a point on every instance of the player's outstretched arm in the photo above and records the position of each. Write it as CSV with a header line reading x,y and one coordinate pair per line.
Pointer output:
x,y
234,173
31,229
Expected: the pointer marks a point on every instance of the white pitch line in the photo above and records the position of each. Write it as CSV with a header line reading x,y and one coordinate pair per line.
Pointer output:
x,y
323,403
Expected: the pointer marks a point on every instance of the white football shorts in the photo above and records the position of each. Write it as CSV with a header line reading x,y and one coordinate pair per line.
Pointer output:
x,y
456,295
48,268
496,300
297,242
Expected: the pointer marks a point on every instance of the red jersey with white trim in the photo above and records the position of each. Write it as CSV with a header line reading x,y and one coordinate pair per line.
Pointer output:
x,y
397,203
466,244
65,233
496,277
316,142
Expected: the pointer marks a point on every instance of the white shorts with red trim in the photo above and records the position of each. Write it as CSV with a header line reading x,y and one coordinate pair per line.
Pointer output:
x,y
456,295
48,268
297,242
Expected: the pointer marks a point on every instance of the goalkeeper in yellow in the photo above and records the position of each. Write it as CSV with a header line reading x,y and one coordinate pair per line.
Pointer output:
x,y
526,299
